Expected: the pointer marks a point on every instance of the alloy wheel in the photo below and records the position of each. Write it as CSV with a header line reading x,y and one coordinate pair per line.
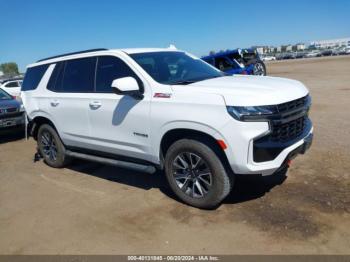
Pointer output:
x,y
192,174
49,146
259,69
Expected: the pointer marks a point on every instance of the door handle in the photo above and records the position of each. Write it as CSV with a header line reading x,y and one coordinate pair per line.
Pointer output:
x,y
95,105
55,103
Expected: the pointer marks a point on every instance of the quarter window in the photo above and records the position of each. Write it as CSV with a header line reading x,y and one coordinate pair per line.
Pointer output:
x,y
33,77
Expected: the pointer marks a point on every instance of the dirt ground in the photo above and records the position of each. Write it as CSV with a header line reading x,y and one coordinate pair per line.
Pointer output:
x,y
89,208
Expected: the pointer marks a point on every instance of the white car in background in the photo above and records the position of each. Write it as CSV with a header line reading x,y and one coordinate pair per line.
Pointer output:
x,y
13,87
268,58
314,53
347,50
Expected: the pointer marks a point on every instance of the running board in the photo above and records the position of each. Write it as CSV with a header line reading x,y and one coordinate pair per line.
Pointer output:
x,y
108,161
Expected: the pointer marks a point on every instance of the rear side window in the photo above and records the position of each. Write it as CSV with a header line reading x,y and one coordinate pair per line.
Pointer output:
x,y
33,77
79,75
12,84
108,69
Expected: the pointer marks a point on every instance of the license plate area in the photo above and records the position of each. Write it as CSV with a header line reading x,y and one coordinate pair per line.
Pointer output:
x,y
8,122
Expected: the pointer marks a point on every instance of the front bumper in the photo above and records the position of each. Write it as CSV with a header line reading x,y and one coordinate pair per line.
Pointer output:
x,y
240,137
10,122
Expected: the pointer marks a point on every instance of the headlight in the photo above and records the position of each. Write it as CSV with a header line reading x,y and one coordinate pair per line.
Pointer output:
x,y
22,109
250,113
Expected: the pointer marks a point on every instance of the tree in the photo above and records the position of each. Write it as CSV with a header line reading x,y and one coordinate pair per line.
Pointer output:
x,y
10,68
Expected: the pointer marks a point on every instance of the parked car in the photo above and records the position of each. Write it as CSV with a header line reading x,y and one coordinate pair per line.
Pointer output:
x,y
246,61
300,55
327,52
289,56
13,87
12,117
347,50
268,58
313,53
166,109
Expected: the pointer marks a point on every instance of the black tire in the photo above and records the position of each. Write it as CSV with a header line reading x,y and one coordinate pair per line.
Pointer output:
x,y
49,142
259,68
210,196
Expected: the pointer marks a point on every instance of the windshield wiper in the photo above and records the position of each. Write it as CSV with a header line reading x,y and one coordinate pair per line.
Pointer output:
x,y
183,82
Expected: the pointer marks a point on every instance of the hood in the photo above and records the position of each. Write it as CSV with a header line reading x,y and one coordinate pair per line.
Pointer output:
x,y
9,103
242,90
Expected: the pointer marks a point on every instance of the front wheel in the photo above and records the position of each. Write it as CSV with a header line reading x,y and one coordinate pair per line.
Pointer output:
x,y
259,68
196,174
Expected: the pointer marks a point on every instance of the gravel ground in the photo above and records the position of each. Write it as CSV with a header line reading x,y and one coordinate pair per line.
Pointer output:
x,y
89,208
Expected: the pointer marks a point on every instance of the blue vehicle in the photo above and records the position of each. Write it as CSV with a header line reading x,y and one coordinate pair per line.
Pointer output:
x,y
238,61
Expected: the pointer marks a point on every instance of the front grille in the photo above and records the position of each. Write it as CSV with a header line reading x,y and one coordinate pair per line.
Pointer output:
x,y
11,110
292,105
8,110
11,115
289,130
292,120
288,125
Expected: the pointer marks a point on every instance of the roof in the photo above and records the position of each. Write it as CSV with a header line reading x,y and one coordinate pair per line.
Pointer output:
x,y
73,55
146,50
228,52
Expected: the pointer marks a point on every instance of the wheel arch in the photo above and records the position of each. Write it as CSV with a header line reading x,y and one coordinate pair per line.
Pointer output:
x,y
38,121
175,134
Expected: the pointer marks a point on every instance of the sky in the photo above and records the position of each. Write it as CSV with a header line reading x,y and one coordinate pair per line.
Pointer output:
x,y
34,29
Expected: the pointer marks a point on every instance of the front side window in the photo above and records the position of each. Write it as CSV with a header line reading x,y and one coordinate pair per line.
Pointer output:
x,y
108,69
175,67
33,77
79,75
223,64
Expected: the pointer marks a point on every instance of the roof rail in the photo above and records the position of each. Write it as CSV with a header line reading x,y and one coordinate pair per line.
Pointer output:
x,y
74,53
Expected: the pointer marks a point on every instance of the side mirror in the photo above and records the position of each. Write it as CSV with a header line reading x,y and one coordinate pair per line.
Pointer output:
x,y
126,86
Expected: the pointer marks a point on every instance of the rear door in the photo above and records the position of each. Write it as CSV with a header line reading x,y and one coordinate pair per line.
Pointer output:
x,y
72,86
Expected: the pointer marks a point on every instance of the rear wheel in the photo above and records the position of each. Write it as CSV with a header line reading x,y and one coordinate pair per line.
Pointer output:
x,y
196,174
51,147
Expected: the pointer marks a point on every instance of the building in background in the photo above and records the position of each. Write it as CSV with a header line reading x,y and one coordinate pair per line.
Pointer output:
x,y
331,43
299,47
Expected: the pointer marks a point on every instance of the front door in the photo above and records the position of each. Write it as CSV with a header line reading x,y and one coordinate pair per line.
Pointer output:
x,y
119,124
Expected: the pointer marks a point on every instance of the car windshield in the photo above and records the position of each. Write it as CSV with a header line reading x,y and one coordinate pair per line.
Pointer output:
x,y
175,67
4,95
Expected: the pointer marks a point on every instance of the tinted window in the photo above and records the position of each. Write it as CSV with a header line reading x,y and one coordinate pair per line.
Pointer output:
x,y
175,67
108,69
223,64
55,82
79,75
33,77
12,84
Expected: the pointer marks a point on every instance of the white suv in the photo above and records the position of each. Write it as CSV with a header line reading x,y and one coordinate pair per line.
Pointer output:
x,y
165,109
